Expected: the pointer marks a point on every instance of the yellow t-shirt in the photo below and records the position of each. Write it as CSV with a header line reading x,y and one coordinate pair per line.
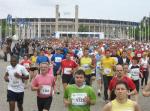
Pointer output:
x,y
85,63
33,59
128,106
107,65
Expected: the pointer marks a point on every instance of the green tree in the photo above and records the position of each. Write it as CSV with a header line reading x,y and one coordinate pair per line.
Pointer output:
x,y
3,28
83,28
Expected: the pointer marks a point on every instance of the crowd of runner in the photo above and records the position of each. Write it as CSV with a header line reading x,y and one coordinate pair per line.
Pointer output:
x,y
119,67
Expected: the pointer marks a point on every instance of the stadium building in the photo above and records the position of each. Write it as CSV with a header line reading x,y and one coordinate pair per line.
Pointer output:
x,y
28,28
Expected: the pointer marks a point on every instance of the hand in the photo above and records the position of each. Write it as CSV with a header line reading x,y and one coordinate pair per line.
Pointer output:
x,y
39,88
87,100
67,102
17,75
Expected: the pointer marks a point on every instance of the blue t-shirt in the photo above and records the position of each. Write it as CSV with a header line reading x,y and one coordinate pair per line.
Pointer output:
x,y
57,58
41,59
65,51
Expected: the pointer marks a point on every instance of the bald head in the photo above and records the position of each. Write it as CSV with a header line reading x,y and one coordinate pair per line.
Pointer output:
x,y
119,71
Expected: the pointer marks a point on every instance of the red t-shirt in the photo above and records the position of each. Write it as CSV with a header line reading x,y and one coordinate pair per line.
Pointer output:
x,y
126,79
67,66
139,53
26,64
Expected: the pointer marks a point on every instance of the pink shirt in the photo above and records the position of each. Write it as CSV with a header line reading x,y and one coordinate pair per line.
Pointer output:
x,y
47,82
51,71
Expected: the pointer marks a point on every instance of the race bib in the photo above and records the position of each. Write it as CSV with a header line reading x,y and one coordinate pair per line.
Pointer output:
x,y
107,71
145,66
67,70
26,65
138,55
58,59
15,82
86,66
46,90
78,98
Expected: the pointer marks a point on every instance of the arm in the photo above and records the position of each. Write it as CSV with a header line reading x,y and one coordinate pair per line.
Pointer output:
x,y
107,107
132,87
34,85
24,74
133,92
137,108
17,75
91,99
6,77
35,88
146,90
67,102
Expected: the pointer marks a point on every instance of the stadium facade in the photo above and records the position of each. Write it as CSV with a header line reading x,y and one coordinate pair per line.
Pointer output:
x,y
46,27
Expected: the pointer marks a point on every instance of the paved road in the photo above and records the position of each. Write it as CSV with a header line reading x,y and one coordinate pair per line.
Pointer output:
x,y
57,104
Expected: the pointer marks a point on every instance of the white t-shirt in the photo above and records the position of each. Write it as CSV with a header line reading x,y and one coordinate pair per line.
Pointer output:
x,y
15,84
134,71
144,62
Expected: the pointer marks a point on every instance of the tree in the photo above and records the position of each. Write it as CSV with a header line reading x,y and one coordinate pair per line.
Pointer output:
x,y
5,29
83,28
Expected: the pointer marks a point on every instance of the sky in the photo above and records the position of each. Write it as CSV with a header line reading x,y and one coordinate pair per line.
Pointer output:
x,y
127,10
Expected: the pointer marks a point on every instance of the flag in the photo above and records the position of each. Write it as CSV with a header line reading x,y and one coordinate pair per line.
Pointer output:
x,y
9,19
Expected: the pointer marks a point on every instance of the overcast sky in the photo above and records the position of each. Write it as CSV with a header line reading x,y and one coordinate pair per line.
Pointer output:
x,y
132,10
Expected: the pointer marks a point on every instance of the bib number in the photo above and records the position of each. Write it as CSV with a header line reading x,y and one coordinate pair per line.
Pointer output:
x,y
86,67
138,55
78,98
15,82
26,65
107,71
67,70
46,90
58,59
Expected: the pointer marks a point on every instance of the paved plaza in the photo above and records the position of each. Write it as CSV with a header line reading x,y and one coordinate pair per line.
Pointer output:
x,y
57,104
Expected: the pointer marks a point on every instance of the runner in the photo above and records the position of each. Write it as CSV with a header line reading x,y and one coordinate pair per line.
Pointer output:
x,y
98,71
68,67
87,64
121,103
107,63
79,97
34,67
134,70
56,61
145,67
44,84
15,75
120,75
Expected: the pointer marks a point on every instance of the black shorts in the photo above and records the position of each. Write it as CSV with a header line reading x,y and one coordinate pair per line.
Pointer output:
x,y
55,71
137,84
13,96
66,78
44,103
88,78
93,74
